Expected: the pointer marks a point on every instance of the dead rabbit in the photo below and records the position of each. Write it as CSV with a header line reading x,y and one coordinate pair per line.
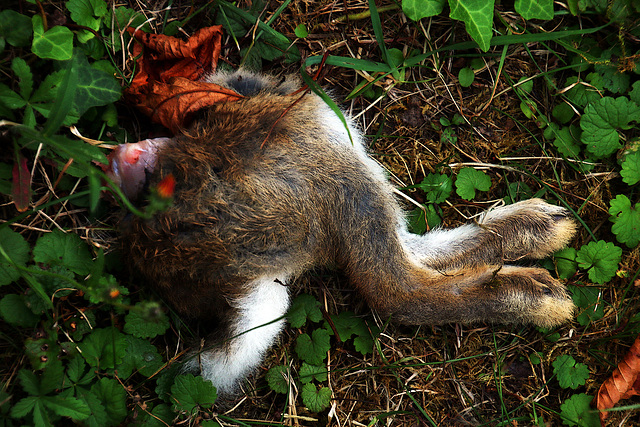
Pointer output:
x,y
265,192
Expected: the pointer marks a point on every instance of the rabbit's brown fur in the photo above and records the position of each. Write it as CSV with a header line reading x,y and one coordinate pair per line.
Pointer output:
x,y
264,194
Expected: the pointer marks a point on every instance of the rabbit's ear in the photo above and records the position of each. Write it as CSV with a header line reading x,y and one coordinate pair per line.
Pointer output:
x,y
253,325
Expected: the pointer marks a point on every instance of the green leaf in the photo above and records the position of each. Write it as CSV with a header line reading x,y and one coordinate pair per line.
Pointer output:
x,y
577,411
67,407
146,320
626,220
277,379
99,416
95,88
631,168
418,9
142,356
535,9
601,121
17,249
77,371
588,299
301,31
563,112
601,259
24,406
478,19
316,400
469,180
567,141
310,372
304,307
29,382
113,397
56,43
189,392
466,76
437,187
23,73
11,99
313,349
420,219
580,93
569,373
15,28
104,348
87,13
565,260
14,311
65,249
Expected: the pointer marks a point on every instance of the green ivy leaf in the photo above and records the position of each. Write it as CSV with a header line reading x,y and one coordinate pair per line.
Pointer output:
x,y
277,379
56,43
563,112
478,19
104,348
146,320
577,411
316,400
535,9
569,373
313,349
600,259
189,392
418,9
588,299
631,168
310,372
113,396
437,187
65,249
15,247
601,121
304,307
469,180
626,220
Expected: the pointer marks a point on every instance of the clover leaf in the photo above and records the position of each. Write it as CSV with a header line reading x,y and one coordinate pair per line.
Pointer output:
x,y
569,373
600,259
631,168
316,399
469,180
601,121
626,220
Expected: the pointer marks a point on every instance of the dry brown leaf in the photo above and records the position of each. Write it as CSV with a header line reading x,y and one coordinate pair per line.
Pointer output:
x,y
623,383
166,85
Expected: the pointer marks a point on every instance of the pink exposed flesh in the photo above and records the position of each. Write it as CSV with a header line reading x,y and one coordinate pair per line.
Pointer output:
x,y
129,164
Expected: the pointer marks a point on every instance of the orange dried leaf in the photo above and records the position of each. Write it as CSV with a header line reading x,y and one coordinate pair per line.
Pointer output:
x,y
623,383
166,85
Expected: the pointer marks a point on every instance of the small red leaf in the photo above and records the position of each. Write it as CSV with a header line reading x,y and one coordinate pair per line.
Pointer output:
x,y
21,185
166,186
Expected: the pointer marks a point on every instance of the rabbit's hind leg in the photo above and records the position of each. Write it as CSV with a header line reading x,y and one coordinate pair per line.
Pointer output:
x,y
530,229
